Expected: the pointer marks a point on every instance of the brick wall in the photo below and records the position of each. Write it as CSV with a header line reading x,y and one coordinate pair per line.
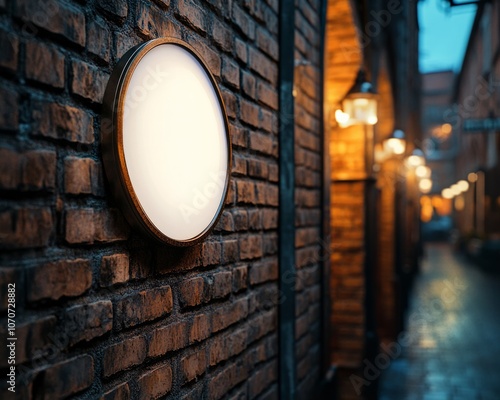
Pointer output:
x,y
101,310
308,177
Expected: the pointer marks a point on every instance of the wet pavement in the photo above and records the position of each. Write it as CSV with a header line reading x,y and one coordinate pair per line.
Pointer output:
x,y
450,349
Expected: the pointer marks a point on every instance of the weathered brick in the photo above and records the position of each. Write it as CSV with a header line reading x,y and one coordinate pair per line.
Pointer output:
x,y
191,292
46,64
88,226
200,328
230,251
266,68
211,57
258,168
222,36
88,321
155,383
221,286
194,365
270,218
248,84
231,103
54,280
120,392
9,50
243,22
262,324
82,176
226,346
262,143
99,38
88,81
123,355
123,43
67,377
267,43
262,378
25,228
9,109
118,8
144,306
168,338
226,222
245,191
240,278
211,253
229,314
263,271
249,113
34,340
114,269
152,23
192,14
228,378
231,73
238,136
54,16
250,247
63,122
267,95
241,50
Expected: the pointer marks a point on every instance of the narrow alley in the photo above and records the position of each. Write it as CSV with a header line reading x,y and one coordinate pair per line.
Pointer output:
x,y
452,350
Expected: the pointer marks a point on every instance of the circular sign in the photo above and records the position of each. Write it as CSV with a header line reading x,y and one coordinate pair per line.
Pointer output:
x,y
166,144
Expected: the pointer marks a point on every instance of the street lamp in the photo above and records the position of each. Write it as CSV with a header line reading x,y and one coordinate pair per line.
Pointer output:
x,y
359,106
416,158
396,143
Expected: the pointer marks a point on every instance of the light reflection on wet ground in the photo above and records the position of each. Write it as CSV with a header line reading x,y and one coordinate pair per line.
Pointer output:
x,y
453,332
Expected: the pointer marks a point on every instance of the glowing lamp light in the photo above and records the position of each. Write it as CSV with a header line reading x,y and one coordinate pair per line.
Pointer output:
x,y
455,189
425,185
396,143
416,158
472,177
463,185
359,106
447,193
423,171
166,144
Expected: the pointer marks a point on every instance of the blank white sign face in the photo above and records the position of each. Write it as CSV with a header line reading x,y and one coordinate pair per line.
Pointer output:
x,y
175,142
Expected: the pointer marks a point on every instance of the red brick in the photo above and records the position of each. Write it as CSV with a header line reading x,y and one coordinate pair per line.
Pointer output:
x,y
240,278
263,272
250,247
26,228
192,292
54,16
118,8
114,269
230,251
267,44
155,383
228,378
193,365
9,50
226,346
88,81
169,338
226,222
192,14
222,285
67,377
248,84
46,64
258,168
144,306
245,191
9,109
151,22
210,56
123,355
63,122
249,113
243,22
270,218
99,38
211,253
262,143
266,68
88,321
238,136
239,165
262,324
231,73
229,314
273,173
262,378
222,35
241,50
54,280
267,95
240,217
196,394
88,226
120,392
34,340
200,328
230,102
82,176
